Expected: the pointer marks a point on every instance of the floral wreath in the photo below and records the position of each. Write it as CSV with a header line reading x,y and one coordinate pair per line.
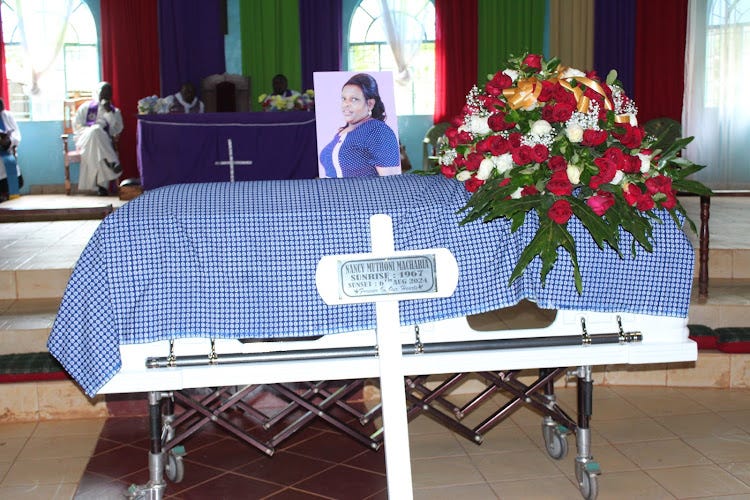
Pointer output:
x,y
294,102
561,142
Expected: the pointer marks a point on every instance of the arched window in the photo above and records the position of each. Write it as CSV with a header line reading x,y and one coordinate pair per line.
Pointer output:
x,y
51,50
727,42
412,29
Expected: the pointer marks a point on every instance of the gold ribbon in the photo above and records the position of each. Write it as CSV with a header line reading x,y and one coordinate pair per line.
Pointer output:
x,y
527,91
524,94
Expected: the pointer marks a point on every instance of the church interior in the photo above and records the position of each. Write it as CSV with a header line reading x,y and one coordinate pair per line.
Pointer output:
x,y
658,429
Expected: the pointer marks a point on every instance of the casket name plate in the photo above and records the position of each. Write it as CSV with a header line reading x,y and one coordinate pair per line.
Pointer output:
x,y
372,277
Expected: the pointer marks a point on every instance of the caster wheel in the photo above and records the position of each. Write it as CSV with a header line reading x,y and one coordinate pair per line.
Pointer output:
x,y
589,486
586,474
175,468
555,441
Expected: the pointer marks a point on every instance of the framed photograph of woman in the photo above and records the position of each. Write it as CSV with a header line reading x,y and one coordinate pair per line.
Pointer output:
x,y
356,124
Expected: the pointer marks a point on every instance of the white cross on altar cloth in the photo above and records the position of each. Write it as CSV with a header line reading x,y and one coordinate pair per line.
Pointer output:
x,y
232,161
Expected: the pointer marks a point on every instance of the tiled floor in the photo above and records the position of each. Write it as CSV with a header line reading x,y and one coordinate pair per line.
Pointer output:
x,y
650,443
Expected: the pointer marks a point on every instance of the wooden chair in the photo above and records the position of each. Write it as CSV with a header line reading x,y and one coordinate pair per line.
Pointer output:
x,y
226,92
70,154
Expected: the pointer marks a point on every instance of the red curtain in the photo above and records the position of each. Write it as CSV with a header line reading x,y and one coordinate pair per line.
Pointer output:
x,y
130,62
3,78
660,32
456,50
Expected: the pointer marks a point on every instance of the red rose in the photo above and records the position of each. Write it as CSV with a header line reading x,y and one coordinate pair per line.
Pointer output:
x,y
562,111
529,190
631,137
523,155
533,61
659,184
497,122
557,163
515,140
631,193
499,82
593,138
485,145
448,170
607,171
671,201
601,202
548,91
504,182
540,153
632,165
499,145
473,161
560,211
645,203
559,184
473,184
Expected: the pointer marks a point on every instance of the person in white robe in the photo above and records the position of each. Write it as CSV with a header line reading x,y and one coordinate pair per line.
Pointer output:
x,y
96,126
10,137
184,101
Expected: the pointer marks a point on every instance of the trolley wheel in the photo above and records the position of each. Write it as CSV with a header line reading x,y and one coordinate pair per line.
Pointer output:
x,y
588,483
555,441
174,468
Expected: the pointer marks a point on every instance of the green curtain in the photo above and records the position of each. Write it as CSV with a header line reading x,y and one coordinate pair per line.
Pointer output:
x,y
270,44
508,27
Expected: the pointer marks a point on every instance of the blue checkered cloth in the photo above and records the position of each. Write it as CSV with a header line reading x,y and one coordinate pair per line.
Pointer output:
x,y
237,260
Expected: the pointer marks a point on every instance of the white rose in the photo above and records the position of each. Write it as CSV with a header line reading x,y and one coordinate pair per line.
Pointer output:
x,y
619,176
574,132
463,175
516,194
571,72
574,174
645,162
485,169
503,163
540,127
479,126
513,74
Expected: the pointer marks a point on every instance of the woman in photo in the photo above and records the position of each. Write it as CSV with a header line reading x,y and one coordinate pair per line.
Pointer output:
x,y
365,145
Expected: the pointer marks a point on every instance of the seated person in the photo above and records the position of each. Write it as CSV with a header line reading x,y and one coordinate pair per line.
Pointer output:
x,y
281,87
96,126
184,101
11,180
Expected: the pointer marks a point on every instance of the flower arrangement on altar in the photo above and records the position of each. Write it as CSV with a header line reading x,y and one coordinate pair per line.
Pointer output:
x,y
152,105
560,142
295,102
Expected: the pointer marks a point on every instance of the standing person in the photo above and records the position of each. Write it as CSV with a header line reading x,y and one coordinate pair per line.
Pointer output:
x,y
10,136
365,145
185,101
97,126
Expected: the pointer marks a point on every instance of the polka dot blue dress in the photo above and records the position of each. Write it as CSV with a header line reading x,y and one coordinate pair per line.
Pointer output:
x,y
371,144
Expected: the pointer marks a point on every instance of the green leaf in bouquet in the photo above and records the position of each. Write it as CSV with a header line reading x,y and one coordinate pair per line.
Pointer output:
x,y
598,227
691,186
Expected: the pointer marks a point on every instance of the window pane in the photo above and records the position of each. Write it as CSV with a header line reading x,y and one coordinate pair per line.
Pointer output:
x,y
39,69
370,51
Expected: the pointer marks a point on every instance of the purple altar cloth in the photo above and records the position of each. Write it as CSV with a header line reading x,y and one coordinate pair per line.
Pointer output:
x,y
177,148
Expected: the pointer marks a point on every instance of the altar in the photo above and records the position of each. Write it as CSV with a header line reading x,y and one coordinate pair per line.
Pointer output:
x,y
189,148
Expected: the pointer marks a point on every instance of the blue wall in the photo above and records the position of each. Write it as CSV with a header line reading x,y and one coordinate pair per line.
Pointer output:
x,y
40,153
